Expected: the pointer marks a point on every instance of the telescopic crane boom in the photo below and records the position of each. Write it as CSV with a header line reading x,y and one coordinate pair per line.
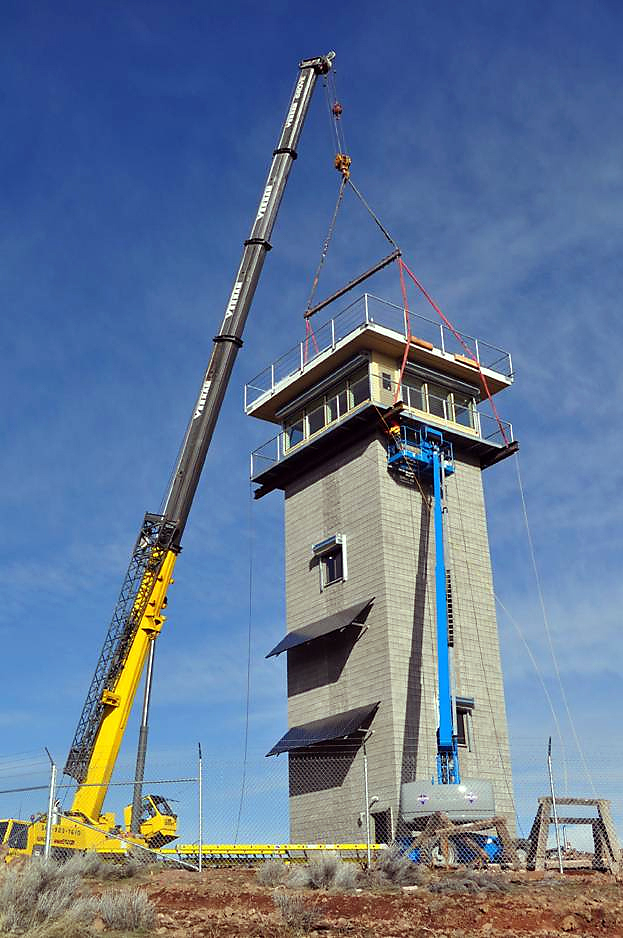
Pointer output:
x,y
138,619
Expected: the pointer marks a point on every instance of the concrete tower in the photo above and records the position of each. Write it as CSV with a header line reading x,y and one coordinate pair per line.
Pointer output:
x,y
360,637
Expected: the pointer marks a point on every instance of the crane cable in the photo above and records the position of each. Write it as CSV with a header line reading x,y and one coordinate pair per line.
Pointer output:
x,y
544,687
548,633
342,162
503,767
245,758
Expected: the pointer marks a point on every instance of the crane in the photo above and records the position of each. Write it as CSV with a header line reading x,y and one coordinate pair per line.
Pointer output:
x,y
138,616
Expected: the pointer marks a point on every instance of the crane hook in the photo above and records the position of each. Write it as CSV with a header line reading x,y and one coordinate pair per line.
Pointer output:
x,y
342,164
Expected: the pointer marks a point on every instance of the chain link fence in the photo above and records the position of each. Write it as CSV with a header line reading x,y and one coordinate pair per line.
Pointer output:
x,y
333,799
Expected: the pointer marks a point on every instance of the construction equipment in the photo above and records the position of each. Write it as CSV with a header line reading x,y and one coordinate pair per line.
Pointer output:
x,y
418,453
138,616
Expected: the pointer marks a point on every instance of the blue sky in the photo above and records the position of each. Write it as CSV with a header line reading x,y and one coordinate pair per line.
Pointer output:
x,y
136,138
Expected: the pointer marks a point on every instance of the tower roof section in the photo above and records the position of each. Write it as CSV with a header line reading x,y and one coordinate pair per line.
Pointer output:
x,y
373,324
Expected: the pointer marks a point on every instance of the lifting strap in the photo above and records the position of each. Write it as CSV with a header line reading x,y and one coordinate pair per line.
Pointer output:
x,y
457,336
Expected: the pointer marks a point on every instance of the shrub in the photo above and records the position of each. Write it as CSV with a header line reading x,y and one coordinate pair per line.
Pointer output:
x,y
298,877
296,915
346,877
127,909
391,867
34,893
327,871
323,869
469,882
272,873
92,866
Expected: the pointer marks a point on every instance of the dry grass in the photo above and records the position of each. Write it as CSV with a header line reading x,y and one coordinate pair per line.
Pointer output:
x,y
127,910
44,899
34,893
327,871
92,866
393,868
470,882
299,917
272,873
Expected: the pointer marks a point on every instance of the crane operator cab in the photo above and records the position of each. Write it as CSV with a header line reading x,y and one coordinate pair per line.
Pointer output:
x,y
158,823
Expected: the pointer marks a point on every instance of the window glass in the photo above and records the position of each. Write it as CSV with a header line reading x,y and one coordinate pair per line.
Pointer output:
x,y
463,410
333,568
438,401
461,727
294,433
412,392
336,403
148,808
161,804
19,836
316,419
359,389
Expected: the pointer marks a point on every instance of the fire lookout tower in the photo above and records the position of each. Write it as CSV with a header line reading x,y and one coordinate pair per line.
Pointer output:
x,y
362,638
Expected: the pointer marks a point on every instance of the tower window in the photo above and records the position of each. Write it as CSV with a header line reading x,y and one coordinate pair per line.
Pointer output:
x,y
332,567
316,419
438,401
413,392
463,410
359,386
294,433
331,554
464,731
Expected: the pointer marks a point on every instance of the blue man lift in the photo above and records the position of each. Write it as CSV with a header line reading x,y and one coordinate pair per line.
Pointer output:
x,y
418,453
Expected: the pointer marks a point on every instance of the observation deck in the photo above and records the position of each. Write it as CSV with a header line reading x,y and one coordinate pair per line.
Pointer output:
x,y
337,382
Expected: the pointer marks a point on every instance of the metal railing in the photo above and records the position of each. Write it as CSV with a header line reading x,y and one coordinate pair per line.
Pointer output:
x,y
372,311
476,423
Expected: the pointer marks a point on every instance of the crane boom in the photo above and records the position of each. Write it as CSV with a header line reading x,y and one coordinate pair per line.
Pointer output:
x,y
229,339
138,619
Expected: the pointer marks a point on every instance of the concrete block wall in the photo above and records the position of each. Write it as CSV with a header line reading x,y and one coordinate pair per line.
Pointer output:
x,y
390,554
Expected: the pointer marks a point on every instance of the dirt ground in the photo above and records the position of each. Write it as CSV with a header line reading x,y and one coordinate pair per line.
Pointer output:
x,y
228,903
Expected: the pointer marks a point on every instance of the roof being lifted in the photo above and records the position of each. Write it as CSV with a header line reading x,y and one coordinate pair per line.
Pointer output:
x,y
354,615
338,726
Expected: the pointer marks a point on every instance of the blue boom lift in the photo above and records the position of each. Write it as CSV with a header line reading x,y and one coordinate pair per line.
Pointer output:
x,y
418,453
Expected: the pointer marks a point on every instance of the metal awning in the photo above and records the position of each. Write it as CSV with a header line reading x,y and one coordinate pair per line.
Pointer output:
x,y
354,615
338,726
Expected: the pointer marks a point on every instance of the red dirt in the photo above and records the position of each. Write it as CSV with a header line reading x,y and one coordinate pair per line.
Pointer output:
x,y
228,903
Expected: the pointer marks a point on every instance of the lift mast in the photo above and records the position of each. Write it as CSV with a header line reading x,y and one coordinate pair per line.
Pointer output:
x,y
138,619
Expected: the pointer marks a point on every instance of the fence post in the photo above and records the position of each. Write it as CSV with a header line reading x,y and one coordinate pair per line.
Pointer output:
x,y
48,826
367,797
554,808
200,840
